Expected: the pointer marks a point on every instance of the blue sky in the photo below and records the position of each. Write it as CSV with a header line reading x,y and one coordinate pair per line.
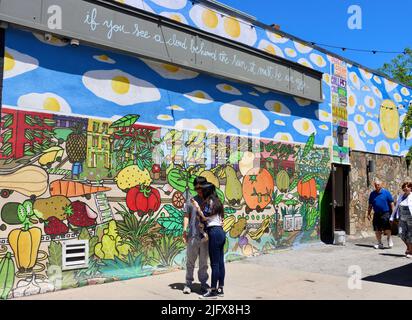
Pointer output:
x,y
386,25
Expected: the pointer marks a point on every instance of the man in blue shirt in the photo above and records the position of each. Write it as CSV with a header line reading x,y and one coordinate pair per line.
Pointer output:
x,y
382,203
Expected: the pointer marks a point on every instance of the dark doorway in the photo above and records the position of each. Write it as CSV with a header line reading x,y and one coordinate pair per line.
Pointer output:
x,y
335,204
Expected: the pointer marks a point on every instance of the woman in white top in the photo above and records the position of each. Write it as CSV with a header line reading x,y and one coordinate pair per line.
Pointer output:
x,y
212,213
403,212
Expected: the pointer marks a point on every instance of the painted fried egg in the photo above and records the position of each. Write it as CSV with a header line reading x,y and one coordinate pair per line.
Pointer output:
x,y
120,87
304,126
366,88
291,52
377,92
389,85
104,58
383,147
244,116
366,74
355,142
352,102
283,136
370,102
372,128
323,115
326,78
302,48
362,134
261,90
225,26
16,63
361,108
253,93
405,92
305,62
377,79
175,108
279,123
199,96
139,4
169,71
370,141
318,60
397,97
359,119
171,4
54,41
396,147
44,101
164,117
328,142
324,127
227,88
278,108
176,16
276,38
270,48
302,102
355,80
196,124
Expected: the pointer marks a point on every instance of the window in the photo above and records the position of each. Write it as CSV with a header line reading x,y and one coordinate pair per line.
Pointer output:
x,y
95,127
105,128
95,141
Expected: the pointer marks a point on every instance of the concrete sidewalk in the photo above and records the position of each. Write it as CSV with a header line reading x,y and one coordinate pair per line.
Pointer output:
x,y
315,271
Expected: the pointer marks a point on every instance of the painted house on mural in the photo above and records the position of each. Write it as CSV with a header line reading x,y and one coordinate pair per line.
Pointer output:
x,y
110,109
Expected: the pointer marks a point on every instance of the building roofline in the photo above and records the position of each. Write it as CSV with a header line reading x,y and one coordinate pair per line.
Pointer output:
x,y
234,12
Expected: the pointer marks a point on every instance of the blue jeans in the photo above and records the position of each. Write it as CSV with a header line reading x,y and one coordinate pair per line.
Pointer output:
x,y
217,239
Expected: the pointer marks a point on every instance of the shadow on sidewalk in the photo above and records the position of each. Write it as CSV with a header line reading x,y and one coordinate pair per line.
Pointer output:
x,y
401,276
179,286
364,245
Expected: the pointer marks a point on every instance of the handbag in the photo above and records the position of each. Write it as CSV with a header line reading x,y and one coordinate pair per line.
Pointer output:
x,y
395,227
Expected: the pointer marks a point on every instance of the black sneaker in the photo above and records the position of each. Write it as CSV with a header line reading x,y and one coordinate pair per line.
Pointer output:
x,y
220,292
211,294
203,290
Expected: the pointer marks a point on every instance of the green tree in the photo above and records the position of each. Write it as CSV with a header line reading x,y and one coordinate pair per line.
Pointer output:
x,y
400,69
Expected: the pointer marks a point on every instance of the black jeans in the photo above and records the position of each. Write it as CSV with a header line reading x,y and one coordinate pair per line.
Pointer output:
x,y
217,239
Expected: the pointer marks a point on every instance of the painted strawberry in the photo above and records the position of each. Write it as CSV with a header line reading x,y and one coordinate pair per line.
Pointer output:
x,y
82,215
54,227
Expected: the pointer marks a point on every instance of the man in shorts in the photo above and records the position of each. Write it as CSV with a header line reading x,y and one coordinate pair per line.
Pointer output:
x,y
381,201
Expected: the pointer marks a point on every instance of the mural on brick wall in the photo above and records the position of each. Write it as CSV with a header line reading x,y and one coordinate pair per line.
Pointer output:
x,y
122,186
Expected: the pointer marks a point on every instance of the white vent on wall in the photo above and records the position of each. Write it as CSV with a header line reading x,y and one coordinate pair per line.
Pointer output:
x,y
75,254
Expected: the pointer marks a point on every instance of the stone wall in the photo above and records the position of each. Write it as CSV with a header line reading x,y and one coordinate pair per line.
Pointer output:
x,y
391,170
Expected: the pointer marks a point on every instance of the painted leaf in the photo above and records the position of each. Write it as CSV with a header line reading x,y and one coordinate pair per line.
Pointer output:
x,y
126,121
278,199
55,254
127,143
309,145
230,210
294,184
177,179
140,164
308,177
171,225
172,211
49,122
7,135
8,121
220,195
291,202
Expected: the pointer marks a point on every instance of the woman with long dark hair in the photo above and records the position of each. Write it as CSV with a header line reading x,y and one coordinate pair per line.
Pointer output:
x,y
212,214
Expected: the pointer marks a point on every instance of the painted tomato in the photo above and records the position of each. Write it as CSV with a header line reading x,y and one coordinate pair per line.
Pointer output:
x,y
307,190
156,168
143,200
257,188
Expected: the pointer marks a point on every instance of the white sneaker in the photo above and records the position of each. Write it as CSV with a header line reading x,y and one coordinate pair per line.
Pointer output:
x,y
187,290
378,246
390,243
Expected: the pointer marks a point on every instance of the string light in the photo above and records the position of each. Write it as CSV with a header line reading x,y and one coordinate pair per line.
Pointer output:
x,y
252,26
